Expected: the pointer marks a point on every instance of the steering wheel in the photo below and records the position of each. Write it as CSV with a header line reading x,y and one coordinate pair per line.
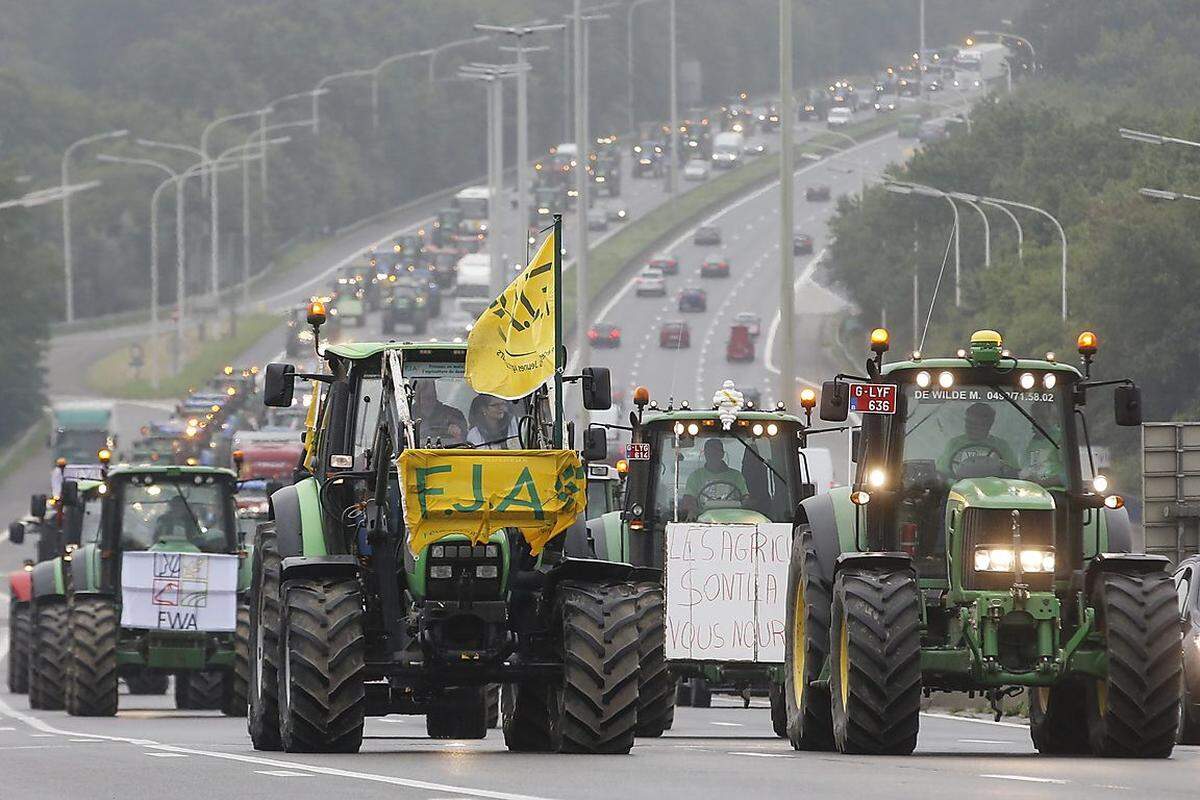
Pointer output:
x,y
710,493
984,462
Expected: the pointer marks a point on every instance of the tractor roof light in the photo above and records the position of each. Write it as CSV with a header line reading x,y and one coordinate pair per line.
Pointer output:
x,y
808,398
622,466
880,340
641,396
316,313
104,455
1088,344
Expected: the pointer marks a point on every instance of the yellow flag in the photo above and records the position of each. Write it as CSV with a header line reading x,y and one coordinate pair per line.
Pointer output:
x,y
478,492
510,351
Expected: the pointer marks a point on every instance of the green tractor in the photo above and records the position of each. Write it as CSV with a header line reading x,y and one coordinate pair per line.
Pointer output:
x,y
970,555
358,609
711,497
153,582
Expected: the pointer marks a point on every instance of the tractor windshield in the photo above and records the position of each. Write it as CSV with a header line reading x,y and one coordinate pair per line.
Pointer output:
x,y
89,532
195,510
448,411
695,477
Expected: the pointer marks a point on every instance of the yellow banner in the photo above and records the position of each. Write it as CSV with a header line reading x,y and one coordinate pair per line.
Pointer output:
x,y
479,492
510,351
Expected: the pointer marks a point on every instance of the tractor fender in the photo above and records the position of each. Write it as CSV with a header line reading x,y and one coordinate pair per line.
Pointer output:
x,y
47,580
575,539
20,585
85,570
1122,538
296,567
822,521
1124,563
592,570
876,562
296,510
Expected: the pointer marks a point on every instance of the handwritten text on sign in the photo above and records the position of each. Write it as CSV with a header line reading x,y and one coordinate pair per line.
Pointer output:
x,y
179,591
726,590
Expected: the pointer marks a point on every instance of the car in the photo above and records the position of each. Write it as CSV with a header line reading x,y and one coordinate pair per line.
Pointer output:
x,y
752,321
604,334
675,335
597,220
650,281
755,149
1187,589
884,106
707,235
649,159
819,193
714,267
617,213
667,263
802,244
740,346
693,299
695,170
839,117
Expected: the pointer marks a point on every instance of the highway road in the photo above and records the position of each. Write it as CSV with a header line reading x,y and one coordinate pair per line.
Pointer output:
x,y
711,753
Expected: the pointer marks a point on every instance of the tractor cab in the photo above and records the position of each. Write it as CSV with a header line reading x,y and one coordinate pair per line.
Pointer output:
x,y
170,509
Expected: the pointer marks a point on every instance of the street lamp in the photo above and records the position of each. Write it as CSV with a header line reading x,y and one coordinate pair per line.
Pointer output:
x,y
928,191
519,33
448,45
43,196
1154,138
987,228
68,269
1016,222
1164,194
787,192
210,127
321,84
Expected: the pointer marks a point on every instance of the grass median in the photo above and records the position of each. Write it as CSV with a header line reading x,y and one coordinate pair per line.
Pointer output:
x,y
635,242
114,376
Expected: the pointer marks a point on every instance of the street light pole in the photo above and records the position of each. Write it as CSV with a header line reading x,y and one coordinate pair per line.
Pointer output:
x,y
898,187
674,77
629,59
68,266
787,271
1016,222
582,313
987,229
321,84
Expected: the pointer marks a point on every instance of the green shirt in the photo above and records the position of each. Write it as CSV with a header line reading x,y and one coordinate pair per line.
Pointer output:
x,y
703,476
962,448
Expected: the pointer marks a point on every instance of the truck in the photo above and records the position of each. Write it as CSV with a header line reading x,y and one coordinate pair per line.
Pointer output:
x,y
986,61
380,587
475,275
80,429
473,203
971,552
727,149
711,496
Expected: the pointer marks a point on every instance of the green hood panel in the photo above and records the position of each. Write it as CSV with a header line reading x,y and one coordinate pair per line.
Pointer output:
x,y
732,516
419,564
1001,493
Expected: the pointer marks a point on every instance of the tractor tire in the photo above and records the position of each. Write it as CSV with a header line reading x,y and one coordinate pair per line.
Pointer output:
x,y
529,718
875,683
200,690
779,714
147,683
18,651
599,708
701,694
94,626
806,632
48,657
656,685
493,705
1134,712
463,714
237,682
263,702
322,700
1058,719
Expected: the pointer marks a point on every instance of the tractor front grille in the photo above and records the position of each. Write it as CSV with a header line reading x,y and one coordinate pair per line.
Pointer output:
x,y
993,527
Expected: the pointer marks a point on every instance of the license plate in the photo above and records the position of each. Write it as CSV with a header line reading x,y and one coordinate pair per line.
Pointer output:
x,y
873,398
638,451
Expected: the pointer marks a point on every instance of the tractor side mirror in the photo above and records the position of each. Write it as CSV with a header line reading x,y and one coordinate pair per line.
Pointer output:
x,y
279,385
855,443
1127,405
37,506
70,493
16,532
597,388
595,444
835,401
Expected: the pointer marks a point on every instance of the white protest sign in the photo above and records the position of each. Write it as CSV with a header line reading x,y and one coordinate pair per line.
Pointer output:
x,y
726,591
179,591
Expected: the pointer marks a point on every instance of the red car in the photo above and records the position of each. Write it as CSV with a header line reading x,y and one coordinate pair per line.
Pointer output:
x,y
740,346
604,334
669,265
714,267
675,335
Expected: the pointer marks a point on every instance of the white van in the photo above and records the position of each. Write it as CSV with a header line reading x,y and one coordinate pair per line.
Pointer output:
x,y
727,149
475,275
838,117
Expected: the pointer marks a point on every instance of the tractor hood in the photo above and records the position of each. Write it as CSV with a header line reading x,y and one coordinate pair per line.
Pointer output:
x,y
1001,493
733,516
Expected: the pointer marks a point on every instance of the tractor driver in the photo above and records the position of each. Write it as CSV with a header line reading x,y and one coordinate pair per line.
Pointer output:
x,y
179,521
438,420
975,452
1042,461
713,482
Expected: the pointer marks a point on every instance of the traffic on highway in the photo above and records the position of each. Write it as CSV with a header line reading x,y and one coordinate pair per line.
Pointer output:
x,y
748,417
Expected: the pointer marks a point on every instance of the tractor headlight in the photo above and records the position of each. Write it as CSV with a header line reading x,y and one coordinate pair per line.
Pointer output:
x,y
876,478
1100,484
946,379
772,429
693,428
757,429
437,551
487,571
1028,381
441,571
1003,559
679,429
923,379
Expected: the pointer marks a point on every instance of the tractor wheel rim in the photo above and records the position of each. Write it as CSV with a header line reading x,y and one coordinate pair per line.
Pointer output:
x,y
844,662
798,649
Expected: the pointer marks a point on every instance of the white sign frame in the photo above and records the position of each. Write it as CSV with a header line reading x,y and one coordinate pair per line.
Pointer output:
x,y
725,591
175,591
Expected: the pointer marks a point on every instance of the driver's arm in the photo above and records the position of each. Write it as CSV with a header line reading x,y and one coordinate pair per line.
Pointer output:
x,y
689,497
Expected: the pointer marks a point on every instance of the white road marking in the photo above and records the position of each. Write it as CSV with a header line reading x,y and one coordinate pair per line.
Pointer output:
x,y
8,729
42,735
728,724
1026,779
760,755
88,741
165,755
283,773
983,741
